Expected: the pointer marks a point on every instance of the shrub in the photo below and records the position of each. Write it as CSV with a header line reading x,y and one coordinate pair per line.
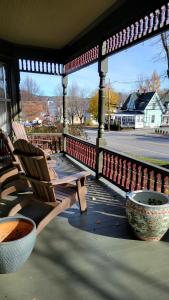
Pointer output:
x,y
115,126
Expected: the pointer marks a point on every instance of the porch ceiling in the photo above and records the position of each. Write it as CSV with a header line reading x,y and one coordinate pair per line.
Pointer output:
x,y
60,31
49,24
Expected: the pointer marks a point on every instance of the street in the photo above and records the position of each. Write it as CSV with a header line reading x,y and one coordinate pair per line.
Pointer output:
x,y
140,142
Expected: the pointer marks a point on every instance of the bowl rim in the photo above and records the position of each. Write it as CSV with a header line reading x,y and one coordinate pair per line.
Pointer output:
x,y
132,193
15,218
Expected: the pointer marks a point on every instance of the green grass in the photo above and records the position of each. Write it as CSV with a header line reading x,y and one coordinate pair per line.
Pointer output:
x,y
150,160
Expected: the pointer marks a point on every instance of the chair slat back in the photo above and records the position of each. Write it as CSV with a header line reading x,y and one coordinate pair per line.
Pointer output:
x,y
37,171
19,130
7,149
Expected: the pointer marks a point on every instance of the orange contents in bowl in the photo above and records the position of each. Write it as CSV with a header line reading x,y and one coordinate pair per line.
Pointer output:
x,y
14,230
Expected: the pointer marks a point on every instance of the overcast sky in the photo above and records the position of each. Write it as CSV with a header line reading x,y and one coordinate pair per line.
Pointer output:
x,y
123,71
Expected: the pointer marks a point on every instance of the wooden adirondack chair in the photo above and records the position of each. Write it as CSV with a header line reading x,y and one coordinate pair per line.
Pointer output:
x,y
49,192
20,133
10,181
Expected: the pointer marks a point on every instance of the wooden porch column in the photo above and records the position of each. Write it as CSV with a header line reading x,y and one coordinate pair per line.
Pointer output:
x,y
65,121
100,141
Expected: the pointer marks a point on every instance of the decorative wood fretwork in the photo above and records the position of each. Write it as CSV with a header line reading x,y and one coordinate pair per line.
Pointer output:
x,y
85,59
33,66
147,26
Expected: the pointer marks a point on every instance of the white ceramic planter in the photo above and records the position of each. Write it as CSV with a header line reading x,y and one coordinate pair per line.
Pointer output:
x,y
148,214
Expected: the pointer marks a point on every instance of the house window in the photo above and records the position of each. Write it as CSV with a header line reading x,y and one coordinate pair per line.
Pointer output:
x,y
152,118
153,105
4,101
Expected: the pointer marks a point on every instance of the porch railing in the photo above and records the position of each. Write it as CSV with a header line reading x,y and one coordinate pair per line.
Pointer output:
x,y
82,151
118,168
131,174
53,139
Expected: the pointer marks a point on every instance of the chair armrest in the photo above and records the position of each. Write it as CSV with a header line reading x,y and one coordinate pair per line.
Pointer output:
x,y
71,178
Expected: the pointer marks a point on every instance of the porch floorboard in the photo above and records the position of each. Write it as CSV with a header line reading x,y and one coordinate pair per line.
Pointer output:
x,y
90,256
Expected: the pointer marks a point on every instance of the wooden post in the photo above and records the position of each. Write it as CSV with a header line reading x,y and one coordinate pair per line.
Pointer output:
x,y
100,141
65,120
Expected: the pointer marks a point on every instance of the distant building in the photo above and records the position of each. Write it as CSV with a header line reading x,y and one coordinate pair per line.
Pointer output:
x,y
141,110
165,101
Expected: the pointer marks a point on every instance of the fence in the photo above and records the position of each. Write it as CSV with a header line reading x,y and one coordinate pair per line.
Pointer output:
x,y
122,170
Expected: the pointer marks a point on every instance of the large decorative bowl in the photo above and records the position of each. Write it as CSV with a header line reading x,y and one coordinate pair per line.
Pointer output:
x,y
17,239
148,214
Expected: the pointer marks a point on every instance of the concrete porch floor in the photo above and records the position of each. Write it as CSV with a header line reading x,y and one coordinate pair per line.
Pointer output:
x,y
91,256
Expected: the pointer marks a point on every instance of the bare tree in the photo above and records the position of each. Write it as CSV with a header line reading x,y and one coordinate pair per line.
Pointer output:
x,y
165,43
77,104
29,89
151,84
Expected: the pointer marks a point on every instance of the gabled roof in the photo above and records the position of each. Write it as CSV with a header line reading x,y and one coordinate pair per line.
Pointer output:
x,y
137,101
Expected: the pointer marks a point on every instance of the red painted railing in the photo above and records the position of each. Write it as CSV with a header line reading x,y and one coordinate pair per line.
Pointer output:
x,y
120,169
47,140
130,174
82,151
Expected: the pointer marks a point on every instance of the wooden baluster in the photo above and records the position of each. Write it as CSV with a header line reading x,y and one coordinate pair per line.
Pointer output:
x,y
93,157
85,153
108,165
138,177
88,155
117,41
127,35
111,166
128,179
158,182
157,19
144,179
119,175
124,172
145,25
136,30
94,160
151,22
140,28
110,44
151,180
115,169
133,177
164,184
114,42
162,18
124,37
120,38
167,14
131,33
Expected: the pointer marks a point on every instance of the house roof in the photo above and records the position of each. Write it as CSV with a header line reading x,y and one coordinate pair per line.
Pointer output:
x,y
137,101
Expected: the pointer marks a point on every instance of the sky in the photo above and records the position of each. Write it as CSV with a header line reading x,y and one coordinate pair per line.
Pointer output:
x,y
124,68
